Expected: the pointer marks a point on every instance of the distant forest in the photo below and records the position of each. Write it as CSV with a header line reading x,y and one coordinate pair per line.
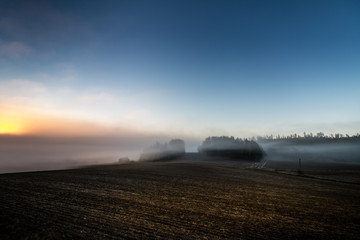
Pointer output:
x,y
319,137
241,148
231,147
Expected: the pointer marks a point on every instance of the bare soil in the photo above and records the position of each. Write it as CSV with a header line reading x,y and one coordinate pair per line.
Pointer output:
x,y
176,201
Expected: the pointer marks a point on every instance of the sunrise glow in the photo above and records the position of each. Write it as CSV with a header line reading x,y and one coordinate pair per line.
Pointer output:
x,y
10,128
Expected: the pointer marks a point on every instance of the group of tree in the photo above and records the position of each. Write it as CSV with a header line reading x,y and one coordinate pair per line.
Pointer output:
x,y
319,135
173,149
223,146
238,148
231,147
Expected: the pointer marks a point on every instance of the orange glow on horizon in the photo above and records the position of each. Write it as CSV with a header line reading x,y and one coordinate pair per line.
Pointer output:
x,y
17,121
9,128
45,125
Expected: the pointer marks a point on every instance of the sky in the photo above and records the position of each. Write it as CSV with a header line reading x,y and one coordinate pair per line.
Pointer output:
x,y
188,69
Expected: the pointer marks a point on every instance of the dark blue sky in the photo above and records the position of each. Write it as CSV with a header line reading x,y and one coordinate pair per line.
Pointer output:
x,y
191,67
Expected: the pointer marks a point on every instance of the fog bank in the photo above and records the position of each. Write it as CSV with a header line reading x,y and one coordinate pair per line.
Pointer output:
x,y
324,155
37,153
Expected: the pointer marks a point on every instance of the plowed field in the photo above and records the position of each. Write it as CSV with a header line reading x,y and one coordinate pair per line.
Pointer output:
x,y
175,201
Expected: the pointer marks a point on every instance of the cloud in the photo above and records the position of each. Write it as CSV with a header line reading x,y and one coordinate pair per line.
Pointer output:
x,y
64,74
137,113
22,92
19,21
101,97
11,26
14,49
21,87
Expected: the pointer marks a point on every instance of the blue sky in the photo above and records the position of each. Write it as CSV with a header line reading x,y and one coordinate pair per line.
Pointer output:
x,y
181,68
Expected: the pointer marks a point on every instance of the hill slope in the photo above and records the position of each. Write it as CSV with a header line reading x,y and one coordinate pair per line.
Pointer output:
x,y
175,200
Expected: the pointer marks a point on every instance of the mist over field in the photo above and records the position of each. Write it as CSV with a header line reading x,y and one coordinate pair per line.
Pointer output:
x,y
36,153
319,155
45,153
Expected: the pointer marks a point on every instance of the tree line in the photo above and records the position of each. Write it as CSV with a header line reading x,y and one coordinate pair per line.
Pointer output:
x,y
319,135
230,147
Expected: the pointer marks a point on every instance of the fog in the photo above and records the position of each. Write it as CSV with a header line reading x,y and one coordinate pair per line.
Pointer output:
x,y
325,155
37,153
161,151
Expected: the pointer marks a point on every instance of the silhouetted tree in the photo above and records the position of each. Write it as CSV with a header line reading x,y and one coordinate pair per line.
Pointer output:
x,y
176,145
167,151
232,148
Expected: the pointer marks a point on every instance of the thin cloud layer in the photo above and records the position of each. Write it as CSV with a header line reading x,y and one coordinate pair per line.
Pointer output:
x,y
43,110
14,49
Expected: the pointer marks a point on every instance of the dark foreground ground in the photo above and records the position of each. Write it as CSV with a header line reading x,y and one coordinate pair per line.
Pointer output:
x,y
176,201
